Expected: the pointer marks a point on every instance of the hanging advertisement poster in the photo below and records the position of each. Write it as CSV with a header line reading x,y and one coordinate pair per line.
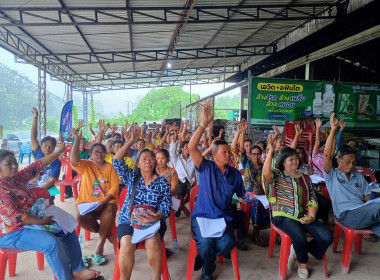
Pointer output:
x,y
274,101
359,104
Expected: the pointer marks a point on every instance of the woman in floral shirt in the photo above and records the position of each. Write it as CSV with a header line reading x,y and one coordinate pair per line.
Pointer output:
x,y
62,251
151,190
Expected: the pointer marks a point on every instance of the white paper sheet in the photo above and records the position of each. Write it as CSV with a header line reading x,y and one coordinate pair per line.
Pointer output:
x,y
211,227
64,219
264,200
142,234
87,207
175,203
376,200
315,179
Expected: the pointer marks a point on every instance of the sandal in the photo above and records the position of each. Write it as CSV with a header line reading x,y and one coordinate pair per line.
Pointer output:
x,y
259,241
370,237
86,261
98,259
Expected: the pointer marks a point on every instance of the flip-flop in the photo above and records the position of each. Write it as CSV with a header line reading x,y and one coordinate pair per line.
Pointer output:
x,y
370,237
86,261
98,259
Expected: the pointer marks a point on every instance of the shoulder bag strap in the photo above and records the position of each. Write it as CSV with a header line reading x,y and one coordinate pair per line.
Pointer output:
x,y
137,179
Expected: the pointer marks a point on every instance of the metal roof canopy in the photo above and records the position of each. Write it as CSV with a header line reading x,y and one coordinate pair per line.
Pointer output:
x,y
120,44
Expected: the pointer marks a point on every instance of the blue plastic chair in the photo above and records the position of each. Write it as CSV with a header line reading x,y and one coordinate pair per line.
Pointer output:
x,y
25,149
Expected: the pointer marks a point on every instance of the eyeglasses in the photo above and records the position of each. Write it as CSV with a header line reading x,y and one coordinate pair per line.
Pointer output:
x,y
256,154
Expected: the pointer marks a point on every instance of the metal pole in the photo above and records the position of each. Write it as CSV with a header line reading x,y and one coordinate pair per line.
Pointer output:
x,y
41,102
85,112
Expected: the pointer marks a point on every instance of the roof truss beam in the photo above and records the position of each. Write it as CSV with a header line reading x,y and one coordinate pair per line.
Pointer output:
x,y
169,73
50,16
183,82
14,43
144,56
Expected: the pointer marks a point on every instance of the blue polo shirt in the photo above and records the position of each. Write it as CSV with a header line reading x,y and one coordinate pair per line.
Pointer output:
x,y
50,171
345,193
216,190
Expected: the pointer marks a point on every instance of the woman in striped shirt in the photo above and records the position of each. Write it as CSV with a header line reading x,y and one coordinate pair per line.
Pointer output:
x,y
294,207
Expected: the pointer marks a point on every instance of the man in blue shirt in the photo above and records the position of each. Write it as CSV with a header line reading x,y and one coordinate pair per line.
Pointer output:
x,y
50,174
217,184
348,189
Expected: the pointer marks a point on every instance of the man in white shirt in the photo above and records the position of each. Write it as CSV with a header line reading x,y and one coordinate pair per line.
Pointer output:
x,y
185,168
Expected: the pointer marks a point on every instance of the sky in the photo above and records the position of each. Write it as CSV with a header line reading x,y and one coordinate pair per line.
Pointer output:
x,y
111,101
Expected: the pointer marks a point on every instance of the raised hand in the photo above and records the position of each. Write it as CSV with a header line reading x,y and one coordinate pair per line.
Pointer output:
x,y
298,129
187,123
333,122
207,113
244,124
126,124
276,130
102,126
90,125
271,145
75,133
35,113
318,123
239,128
62,144
80,124
342,124
114,127
134,133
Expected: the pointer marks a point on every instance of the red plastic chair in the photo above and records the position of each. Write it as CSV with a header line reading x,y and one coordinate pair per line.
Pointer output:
x,y
307,125
350,236
173,228
164,263
193,246
367,172
69,180
286,242
289,131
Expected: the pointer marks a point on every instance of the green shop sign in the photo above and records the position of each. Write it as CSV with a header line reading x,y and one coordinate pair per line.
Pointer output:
x,y
275,101
359,104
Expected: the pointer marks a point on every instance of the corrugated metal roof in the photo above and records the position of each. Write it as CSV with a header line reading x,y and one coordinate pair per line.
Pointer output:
x,y
87,36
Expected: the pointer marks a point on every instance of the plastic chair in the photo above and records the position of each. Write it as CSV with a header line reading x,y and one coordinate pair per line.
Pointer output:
x,y
69,180
289,131
286,242
173,228
25,149
193,246
350,236
367,172
164,263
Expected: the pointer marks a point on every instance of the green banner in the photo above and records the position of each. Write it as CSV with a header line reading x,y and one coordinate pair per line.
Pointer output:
x,y
359,104
275,101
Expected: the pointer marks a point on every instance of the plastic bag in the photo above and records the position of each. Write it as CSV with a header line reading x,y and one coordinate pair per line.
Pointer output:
x,y
39,210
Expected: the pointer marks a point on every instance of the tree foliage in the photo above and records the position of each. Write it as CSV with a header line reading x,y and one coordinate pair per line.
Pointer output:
x,y
223,104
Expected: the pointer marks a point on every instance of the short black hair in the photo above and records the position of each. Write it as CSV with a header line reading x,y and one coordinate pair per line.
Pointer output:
x,y
183,144
256,147
283,155
97,144
49,138
116,134
345,150
117,142
216,144
5,153
248,140
263,143
352,139
165,152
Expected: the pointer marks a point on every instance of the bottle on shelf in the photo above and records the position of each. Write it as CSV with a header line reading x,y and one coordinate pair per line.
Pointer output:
x,y
328,101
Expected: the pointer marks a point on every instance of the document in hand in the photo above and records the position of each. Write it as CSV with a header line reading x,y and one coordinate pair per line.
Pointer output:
x,y
142,234
211,227
315,179
87,207
175,203
61,217
264,200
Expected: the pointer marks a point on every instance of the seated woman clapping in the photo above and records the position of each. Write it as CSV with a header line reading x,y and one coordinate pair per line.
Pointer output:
x,y
145,190
100,184
294,207
62,250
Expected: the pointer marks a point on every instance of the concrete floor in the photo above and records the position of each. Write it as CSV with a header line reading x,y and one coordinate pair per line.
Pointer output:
x,y
254,264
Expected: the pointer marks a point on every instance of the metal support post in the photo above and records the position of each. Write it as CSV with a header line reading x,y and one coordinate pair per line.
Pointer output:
x,y
85,112
307,70
42,102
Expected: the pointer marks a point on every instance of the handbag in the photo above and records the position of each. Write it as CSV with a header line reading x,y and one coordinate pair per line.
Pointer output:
x,y
139,210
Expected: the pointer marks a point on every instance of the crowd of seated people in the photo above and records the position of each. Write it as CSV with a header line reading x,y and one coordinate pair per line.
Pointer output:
x,y
156,165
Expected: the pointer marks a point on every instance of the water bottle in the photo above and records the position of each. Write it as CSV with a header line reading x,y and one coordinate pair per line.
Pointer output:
x,y
81,241
175,246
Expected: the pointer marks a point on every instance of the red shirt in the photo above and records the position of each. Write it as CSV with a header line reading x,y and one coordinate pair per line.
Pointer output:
x,y
16,199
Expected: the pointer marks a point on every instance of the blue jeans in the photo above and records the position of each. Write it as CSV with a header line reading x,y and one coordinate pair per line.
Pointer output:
x,y
210,248
62,251
367,216
322,238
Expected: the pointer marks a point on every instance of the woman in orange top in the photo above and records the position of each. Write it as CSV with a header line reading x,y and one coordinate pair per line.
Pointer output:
x,y
162,169
100,183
